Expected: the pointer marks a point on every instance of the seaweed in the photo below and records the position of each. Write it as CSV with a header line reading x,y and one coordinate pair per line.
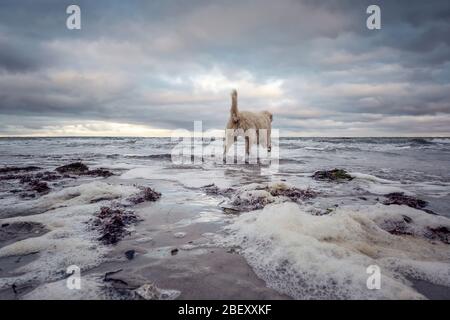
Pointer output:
x,y
79,168
47,176
402,228
112,223
74,168
37,182
258,201
440,233
332,175
294,194
18,169
250,204
147,194
399,198
99,173
213,190
39,186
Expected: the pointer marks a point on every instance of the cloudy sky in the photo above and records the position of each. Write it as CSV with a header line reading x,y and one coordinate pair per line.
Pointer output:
x,y
143,68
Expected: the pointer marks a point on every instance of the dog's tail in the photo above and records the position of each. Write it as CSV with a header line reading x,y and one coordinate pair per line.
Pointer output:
x,y
234,106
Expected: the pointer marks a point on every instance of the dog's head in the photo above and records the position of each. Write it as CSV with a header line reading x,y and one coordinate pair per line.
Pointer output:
x,y
269,115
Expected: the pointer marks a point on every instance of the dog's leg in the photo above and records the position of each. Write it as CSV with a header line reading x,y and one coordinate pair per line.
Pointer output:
x,y
247,149
257,142
229,140
250,139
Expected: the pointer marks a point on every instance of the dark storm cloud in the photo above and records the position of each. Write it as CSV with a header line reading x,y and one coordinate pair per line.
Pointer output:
x,y
164,64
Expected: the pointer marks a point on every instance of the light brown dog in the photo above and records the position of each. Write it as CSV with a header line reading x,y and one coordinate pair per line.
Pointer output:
x,y
254,126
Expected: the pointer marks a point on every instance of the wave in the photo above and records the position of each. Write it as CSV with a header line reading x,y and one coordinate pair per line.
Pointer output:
x,y
365,176
421,141
441,140
163,156
316,148
381,140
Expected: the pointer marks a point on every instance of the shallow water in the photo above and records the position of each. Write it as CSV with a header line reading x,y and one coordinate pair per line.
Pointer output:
x,y
207,238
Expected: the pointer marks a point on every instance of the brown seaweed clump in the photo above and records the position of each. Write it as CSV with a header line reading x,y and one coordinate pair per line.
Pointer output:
x,y
99,173
18,169
213,190
400,198
147,194
250,203
39,186
36,182
79,168
16,173
403,227
112,224
73,168
440,233
294,194
259,196
47,176
398,227
332,175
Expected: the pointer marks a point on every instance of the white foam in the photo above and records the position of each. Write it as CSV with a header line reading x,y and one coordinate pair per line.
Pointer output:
x,y
143,173
117,165
258,193
185,177
179,234
72,196
369,177
271,186
379,186
442,140
252,195
385,189
149,291
315,148
144,239
320,257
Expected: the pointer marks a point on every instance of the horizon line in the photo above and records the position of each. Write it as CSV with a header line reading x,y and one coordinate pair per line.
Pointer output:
x,y
108,136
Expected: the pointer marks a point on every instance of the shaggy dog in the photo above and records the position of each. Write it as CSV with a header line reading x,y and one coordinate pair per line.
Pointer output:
x,y
254,126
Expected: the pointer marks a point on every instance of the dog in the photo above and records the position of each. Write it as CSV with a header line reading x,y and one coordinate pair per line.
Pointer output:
x,y
250,125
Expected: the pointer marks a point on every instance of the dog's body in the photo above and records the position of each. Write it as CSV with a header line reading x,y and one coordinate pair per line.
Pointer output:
x,y
250,125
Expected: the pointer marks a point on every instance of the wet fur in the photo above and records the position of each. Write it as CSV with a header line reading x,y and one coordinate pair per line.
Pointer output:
x,y
242,121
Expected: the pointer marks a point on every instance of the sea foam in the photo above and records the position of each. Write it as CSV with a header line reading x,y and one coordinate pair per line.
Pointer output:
x,y
326,257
